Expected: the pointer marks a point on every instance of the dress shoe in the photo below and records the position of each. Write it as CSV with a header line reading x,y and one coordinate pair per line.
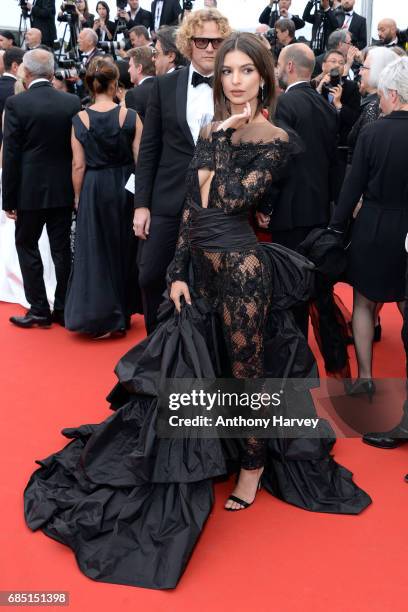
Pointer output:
x,y
362,386
32,320
58,317
387,439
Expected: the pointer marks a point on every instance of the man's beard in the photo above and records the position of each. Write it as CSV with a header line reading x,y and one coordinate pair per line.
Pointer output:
x,y
283,80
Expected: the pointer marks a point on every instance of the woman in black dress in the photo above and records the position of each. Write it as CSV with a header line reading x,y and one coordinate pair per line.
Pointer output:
x,y
102,291
132,503
376,256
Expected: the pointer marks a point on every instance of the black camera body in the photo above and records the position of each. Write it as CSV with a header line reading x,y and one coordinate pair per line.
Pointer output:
x,y
188,5
335,81
121,4
24,8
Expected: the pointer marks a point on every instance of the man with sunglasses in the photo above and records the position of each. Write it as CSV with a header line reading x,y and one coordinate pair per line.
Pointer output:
x,y
179,104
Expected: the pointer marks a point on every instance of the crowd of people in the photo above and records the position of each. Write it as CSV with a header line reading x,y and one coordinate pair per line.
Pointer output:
x,y
172,160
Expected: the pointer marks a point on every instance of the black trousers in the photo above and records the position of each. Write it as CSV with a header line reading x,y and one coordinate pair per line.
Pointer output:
x,y
29,226
154,256
291,239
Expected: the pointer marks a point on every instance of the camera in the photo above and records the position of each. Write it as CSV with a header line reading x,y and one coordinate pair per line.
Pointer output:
x,y
24,8
335,80
112,46
69,14
121,5
188,5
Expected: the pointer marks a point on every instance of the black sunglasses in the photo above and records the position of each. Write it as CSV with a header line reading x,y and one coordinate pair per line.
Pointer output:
x,y
202,43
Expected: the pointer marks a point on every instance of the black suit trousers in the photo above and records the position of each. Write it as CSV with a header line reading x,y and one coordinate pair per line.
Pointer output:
x,y
29,227
154,256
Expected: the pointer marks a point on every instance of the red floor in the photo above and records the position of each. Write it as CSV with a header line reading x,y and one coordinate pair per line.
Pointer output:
x,y
272,557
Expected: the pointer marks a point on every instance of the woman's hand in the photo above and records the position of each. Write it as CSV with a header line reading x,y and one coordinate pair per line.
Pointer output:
x,y
237,121
177,290
96,24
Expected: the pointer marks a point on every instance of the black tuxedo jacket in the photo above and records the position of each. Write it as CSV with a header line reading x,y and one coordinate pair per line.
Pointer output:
x,y
138,97
270,20
304,198
166,148
143,18
37,154
43,18
170,13
357,27
6,90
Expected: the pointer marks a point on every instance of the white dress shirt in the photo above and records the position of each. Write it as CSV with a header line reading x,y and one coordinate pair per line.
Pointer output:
x,y
200,105
9,75
347,20
293,84
157,14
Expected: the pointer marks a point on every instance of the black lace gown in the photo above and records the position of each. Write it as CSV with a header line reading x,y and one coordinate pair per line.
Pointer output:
x,y
131,504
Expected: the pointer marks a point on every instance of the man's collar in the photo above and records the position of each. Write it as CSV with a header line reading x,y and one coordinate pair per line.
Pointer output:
x,y
393,42
144,79
193,69
38,81
293,84
8,74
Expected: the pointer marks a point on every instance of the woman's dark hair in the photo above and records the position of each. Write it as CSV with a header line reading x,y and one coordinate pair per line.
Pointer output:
x,y
86,9
102,71
104,4
251,45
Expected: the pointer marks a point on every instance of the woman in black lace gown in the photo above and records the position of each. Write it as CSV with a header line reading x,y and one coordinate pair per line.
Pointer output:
x,y
132,503
103,289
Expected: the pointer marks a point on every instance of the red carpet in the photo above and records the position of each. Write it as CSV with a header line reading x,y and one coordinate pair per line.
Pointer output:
x,y
272,557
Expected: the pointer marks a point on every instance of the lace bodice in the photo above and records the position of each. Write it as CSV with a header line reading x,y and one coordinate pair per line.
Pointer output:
x,y
245,163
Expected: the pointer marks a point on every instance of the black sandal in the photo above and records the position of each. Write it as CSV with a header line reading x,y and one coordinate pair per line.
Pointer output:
x,y
241,501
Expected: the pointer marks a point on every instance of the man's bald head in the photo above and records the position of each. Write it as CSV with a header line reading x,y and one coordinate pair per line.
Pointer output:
x,y
387,30
301,59
33,38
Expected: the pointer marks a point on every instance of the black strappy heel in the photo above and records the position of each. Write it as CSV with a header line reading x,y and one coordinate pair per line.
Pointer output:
x,y
242,502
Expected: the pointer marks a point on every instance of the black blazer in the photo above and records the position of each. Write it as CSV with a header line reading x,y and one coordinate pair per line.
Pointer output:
x,y
138,97
357,27
329,25
378,169
143,18
170,13
166,148
43,18
111,25
37,156
304,198
6,90
265,17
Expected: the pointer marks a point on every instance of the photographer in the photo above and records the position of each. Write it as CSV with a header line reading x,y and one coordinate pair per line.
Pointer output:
x,y
164,12
324,22
341,40
87,42
269,17
135,16
285,34
344,95
42,16
104,28
84,18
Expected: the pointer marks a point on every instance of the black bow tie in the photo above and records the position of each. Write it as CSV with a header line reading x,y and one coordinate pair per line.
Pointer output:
x,y
199,78
347,14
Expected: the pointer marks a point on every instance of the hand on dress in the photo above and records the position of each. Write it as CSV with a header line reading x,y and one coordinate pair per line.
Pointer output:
x,y
11,214
237,121
263,220
177,290
141,222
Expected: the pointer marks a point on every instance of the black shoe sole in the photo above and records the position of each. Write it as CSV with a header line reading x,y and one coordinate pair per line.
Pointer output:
x,y
382,445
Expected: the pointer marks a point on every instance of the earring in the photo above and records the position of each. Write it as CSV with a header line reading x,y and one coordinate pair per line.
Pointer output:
x,y
261,93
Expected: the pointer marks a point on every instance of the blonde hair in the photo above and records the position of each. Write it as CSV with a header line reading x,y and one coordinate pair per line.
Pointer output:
x,y
195,21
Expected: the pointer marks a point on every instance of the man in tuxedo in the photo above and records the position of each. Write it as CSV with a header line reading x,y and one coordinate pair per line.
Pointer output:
x,y
167,57
303,202
164,12
349,20
37,184
12,60
87,43
270,18
323,22
389,34
42,15
142,73
136,16
179,104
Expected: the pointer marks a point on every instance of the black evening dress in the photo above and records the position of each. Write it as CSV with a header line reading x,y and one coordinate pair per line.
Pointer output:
x,y
103,285
132,504
376,259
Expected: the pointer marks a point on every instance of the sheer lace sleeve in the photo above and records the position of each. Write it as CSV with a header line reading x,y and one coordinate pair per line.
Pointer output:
x,y
243,177
178,269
